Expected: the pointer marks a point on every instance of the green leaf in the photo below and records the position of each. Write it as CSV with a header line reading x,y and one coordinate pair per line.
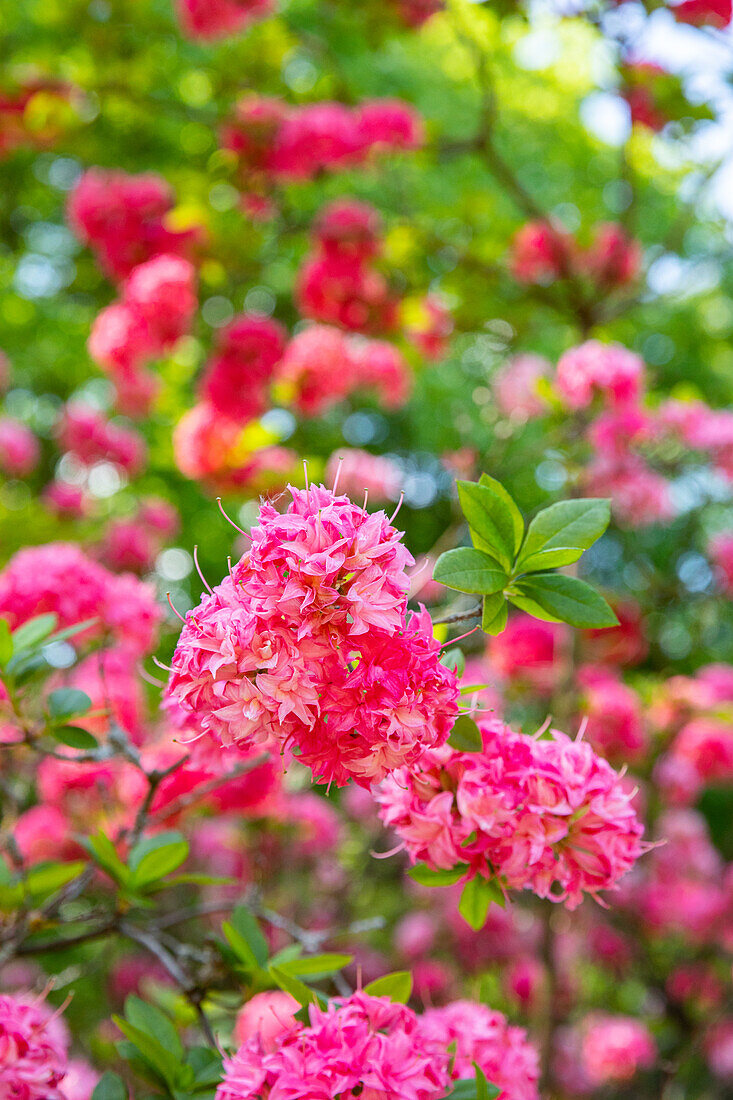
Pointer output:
x,y
206,1065
70,631
103,851
484,1089
247,925
555,598
517,520
495,614
110,1087
65,702
302,993
312,966
454,658
397,986
46,878
75,737
490,520
156,856
154,1022
426,876
475,900
465,735
36,630
165,1064
558,535
6,643
469,570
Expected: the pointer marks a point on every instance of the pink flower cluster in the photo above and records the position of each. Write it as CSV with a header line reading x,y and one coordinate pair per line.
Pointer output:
x,y
157,307
542,253
545,815
20,451
90,437
368,1046
123,220
479,1035
682,889
357,1046
211,447
207,20
339,283
530,652
516,387
323,366
596,368
277,143
701,754
60,578
615,1048
33,1049
237,377
307,644
613,715
135,542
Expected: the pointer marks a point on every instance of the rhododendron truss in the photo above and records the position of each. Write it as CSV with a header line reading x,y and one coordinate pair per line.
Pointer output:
x,y
308,646
365,1045
524,813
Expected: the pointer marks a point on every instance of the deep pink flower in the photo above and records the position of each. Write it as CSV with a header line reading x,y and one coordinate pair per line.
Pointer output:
x,y
307,643
530,651
540,253
614,258
207,20
358,1046
238,375
122,218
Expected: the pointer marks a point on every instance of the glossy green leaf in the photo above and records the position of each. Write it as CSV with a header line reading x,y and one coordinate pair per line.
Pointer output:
x,y
468,570
6,643
75,737
46,878
155,1022
110,1087
558,535
156,856
517,519
475,900
426,876
302,993
556,598
35,631
103,851
494,614
312,966
248,927
465,735
67,702
490,520
397,986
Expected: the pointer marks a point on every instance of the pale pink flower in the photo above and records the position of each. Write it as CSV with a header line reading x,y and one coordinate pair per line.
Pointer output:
x,y
615,1048
516,386
33,1049
482,1036
608,370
